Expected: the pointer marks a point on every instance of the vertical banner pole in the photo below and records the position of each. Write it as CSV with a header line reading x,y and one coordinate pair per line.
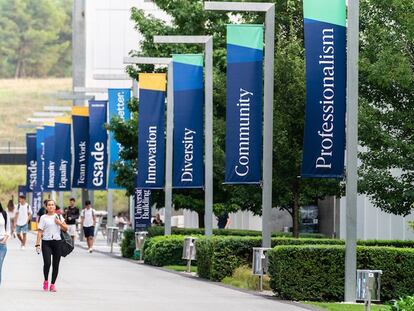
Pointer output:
x,y
61,200
110,217
268,125
131,198
352,150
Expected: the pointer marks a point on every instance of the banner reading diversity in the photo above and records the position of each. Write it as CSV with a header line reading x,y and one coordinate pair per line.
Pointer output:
x,y
80,121
31,162
142,207
63,157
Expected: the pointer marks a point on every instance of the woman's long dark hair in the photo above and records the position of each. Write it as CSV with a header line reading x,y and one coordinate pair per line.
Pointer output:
x,y
1,208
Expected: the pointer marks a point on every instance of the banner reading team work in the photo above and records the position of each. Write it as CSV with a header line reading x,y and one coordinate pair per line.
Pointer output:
x,y
31,162
244,104
98,144
80,121
63,157
142,208
118,107
188,121
325,44
151,127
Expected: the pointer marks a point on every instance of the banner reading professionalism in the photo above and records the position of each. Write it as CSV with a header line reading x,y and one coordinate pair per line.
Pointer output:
x,y
151,127
325,44
98,144
118,107
31,162
188,121
244,104
80,125
40,159
50,165
63,157
142,208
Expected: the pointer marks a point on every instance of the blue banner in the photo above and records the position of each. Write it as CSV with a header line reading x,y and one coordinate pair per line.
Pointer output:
x,y
142,208
118,107
36,203
80,122
50,165
151,131
31,162
21,190
63,157
98,145
40,159
244,104
325,44
188,121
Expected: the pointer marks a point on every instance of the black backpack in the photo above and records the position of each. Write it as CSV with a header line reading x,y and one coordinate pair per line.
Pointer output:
x,y
5,219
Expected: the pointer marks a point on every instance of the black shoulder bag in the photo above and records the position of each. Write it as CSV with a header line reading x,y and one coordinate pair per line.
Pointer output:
x,y
67,243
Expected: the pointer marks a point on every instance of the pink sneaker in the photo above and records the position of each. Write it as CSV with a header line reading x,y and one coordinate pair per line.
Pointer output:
x,y
45,285
52,288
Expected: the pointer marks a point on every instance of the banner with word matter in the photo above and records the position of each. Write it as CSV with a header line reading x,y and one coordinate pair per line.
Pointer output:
x,y
118,100
188,121
63,157
151,131
31,162
98,145
142,209
80,126
325,45
50,165
244,108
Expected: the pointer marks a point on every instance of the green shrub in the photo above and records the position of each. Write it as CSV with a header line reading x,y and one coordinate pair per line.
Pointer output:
x,y
128,244
316,273
243,277
404,304
164,251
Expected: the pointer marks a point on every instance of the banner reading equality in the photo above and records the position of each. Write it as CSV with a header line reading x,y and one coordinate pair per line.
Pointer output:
x,y
80,125
63,157
142,208
50,165
40,159
98,145
244,104
151,131
188,121
118,100
31,162
325,44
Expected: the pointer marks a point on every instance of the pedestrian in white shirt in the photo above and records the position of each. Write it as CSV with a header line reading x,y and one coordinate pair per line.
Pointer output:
x,y
4,235
11,211
88,221
23,216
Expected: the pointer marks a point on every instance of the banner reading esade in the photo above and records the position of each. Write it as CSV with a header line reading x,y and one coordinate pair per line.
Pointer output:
x,y
63,157
325,44
50,165
188,121
244,104
142,208
151,127
118,100
31,162
80,125
98,145
40,159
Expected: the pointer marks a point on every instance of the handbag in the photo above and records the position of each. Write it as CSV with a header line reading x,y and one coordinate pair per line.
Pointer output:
x,y
67,243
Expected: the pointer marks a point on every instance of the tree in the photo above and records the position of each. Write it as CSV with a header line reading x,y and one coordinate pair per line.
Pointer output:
x,y
387,104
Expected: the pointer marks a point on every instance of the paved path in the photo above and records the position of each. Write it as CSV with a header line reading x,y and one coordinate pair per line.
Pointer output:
x,y
90,282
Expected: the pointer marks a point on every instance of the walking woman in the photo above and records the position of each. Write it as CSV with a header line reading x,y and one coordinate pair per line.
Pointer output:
x,y
50,226
4,235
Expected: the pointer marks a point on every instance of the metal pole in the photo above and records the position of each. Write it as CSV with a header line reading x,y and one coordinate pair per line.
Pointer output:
x,y
352,150
110,216
61,200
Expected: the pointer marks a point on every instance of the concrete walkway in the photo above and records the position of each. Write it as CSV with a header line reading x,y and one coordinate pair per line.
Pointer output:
x,y
97,282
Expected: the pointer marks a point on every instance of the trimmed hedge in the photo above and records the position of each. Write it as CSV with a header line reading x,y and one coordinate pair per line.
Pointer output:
x,y
128,244
317,272
164,251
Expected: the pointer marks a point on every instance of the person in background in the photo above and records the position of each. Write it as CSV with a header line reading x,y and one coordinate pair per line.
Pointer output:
x,y
120,221
11,211
88,221
71,214
5,231
23,216
41,211
223,221
157,221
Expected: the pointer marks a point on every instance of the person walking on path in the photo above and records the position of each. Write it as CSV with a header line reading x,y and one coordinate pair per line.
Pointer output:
x,y
11,211
23,216
49,229
5,233
88,221
71,216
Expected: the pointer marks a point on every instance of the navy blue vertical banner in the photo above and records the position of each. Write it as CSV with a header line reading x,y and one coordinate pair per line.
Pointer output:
x,y
118,100
37,202
325,44
244,104
40,157
188,121
31,162
80,126
151,131
63,157
21,190
50,165
98,145
142,209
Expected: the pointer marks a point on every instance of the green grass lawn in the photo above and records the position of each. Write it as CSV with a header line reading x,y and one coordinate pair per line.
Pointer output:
x,y
181,268
345,307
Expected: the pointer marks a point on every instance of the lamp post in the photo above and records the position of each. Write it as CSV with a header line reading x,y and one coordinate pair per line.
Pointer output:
x,y
269,9
170,116
207,41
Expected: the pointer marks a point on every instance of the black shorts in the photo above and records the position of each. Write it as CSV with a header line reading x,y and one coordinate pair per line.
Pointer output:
x,y
89,231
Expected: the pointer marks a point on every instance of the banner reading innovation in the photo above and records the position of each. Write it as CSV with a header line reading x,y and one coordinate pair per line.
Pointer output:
x,y
98,144
244,104
63,157
325,44
31,162
118,107
151,128
142,208
40,159
80,121
188,121
50,165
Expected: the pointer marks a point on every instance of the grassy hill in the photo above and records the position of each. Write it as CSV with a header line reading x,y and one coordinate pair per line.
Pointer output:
x,y
18,100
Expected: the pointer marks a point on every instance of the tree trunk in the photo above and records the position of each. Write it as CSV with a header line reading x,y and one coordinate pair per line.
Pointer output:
x,y
296,217
200,219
